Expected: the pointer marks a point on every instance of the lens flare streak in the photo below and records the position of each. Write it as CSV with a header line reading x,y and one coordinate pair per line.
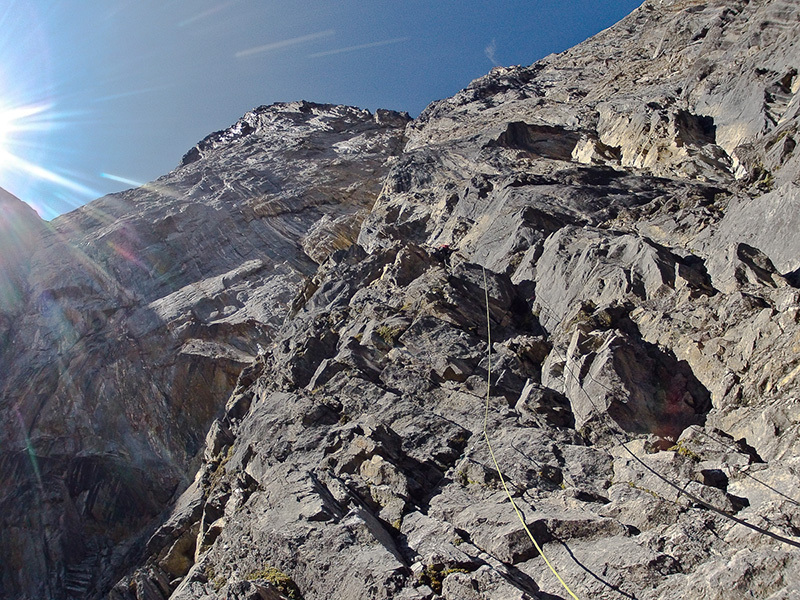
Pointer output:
x,y
17,123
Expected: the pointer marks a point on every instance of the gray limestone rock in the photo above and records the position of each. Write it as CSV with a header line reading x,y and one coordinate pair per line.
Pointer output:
x,y
613,381
319,358
133,317
768,223
20,232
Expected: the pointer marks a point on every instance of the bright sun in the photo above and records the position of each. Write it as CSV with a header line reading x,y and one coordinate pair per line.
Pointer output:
x,y
19,126
16,121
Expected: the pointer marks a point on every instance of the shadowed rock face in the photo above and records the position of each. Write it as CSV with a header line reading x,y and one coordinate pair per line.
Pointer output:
x,y
130,319
625,208
20,231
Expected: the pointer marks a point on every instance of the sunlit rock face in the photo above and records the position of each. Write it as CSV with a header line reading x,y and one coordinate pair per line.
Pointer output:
x,y
318,406
631,201
126,323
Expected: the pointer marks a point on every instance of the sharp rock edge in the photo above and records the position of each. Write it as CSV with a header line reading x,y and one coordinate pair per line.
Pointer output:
x,y
263,375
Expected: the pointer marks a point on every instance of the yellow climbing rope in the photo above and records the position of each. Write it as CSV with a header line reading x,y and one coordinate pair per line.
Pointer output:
x,y
491,451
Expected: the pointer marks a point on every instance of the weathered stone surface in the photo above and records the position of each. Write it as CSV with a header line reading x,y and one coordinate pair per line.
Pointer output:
x,y
609,375
621,214
769,223
20,231
586,265
133,316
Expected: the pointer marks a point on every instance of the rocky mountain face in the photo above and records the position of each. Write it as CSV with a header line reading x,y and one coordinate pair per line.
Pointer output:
x,y
273,372
132,317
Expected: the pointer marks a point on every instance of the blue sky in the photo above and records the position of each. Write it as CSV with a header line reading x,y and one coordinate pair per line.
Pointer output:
x,y
97,93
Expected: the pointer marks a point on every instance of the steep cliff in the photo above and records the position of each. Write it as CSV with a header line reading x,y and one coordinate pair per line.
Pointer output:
x,y
20,231
135,316
315,301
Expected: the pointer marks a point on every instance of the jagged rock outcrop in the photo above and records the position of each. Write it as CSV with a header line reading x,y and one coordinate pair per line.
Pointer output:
x,y
621,214
135,315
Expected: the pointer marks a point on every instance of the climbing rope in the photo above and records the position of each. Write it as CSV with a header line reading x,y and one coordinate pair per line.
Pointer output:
x,y
520,516
681,491
741,471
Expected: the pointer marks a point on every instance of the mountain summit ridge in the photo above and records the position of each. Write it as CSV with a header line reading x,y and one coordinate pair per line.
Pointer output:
x,y
264,375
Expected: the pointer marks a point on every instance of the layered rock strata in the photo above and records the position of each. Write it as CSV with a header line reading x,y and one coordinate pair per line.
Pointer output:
x,y
133,317
591,261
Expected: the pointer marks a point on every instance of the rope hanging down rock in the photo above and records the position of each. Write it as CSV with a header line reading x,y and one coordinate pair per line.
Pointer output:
x,y
681,491
491,451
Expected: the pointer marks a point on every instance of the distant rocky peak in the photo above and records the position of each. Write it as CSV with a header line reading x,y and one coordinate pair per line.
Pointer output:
x,y
296,119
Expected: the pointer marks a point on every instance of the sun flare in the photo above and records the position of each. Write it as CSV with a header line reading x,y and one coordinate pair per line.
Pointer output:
x,y
22,147
16,121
